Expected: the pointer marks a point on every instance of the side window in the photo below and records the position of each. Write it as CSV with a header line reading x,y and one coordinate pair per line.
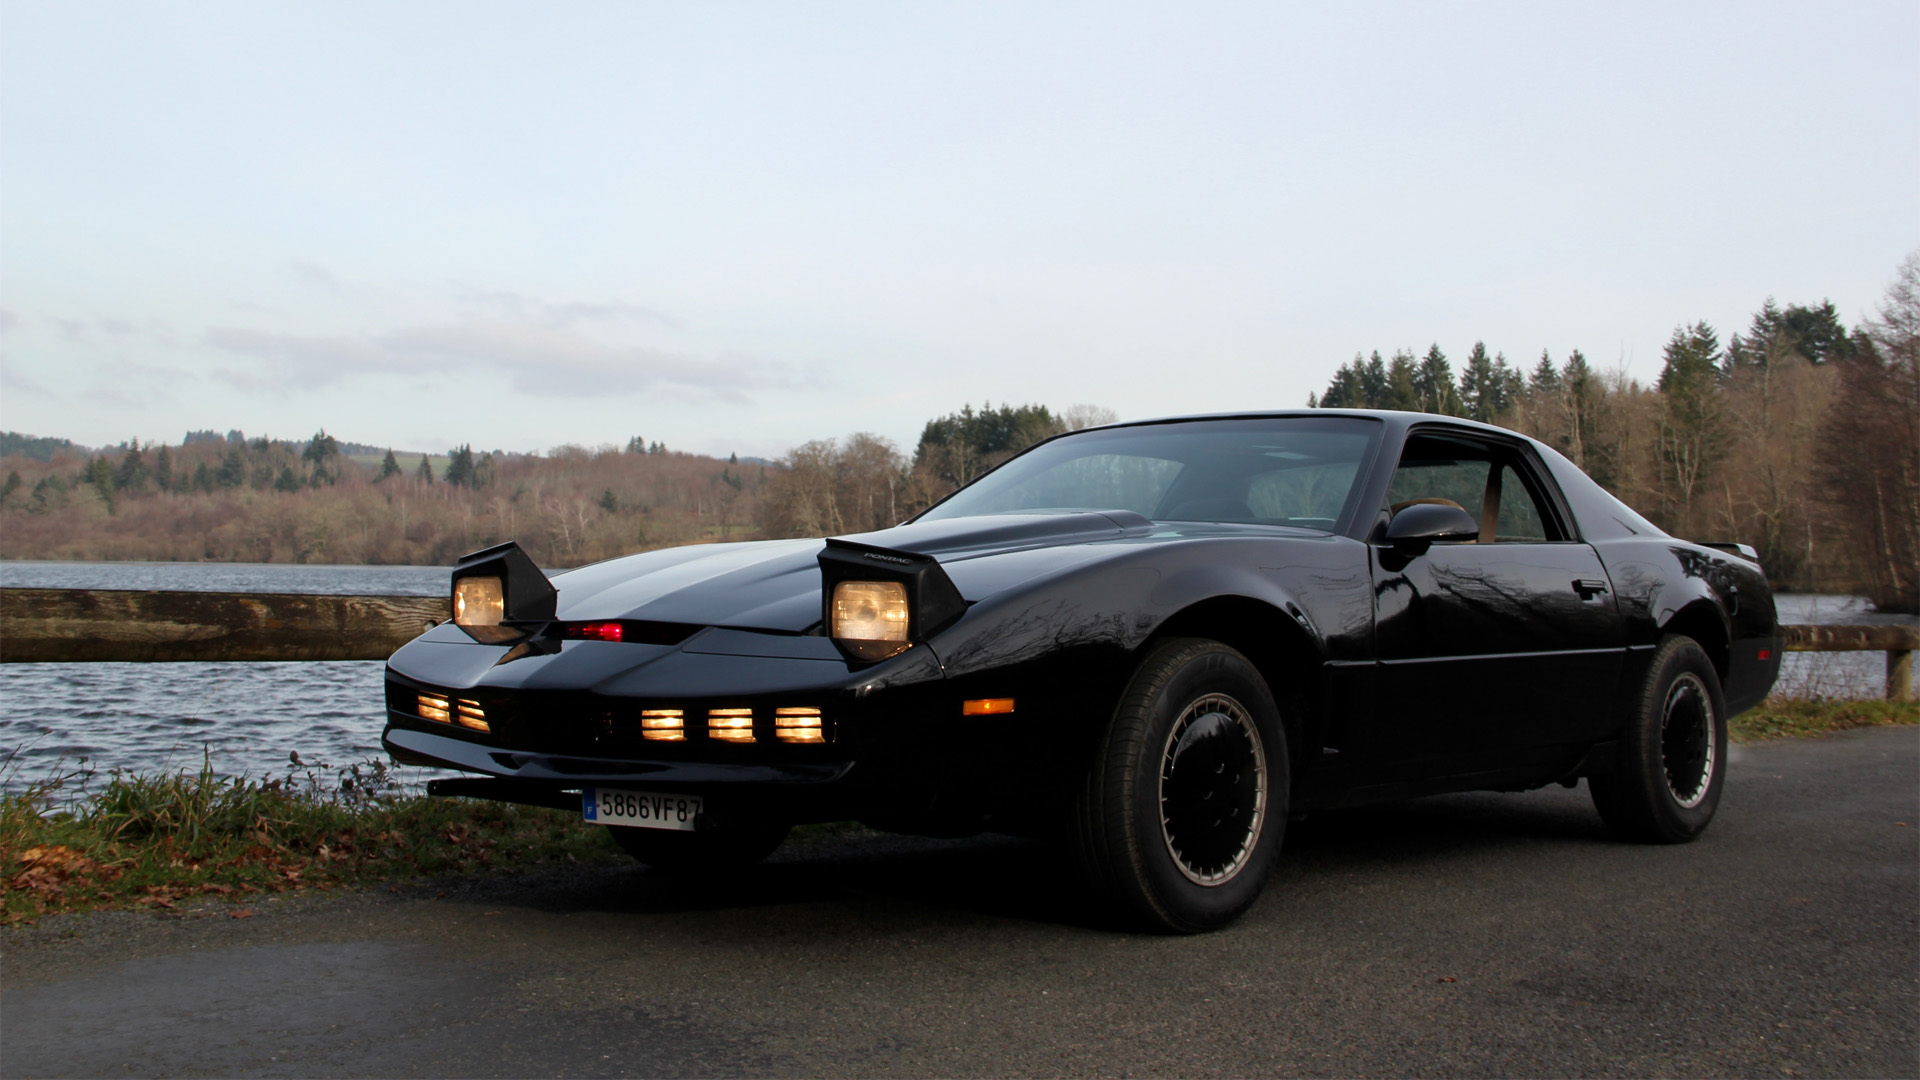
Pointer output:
x,y
1482,478
1520,516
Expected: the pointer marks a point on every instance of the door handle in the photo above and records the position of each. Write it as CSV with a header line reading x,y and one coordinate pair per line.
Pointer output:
x,y
1589,588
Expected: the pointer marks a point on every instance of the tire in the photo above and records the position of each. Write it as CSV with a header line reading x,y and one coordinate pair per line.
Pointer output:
x,y
1673,754
1179,820
737,848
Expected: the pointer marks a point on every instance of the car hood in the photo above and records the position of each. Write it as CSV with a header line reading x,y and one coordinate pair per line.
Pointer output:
x,y
775,584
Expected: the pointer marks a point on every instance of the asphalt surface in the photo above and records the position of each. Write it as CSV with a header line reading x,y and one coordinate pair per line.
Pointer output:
x,y
1465,935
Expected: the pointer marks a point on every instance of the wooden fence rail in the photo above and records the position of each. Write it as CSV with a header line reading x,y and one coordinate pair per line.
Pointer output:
x,y
61,625
41,625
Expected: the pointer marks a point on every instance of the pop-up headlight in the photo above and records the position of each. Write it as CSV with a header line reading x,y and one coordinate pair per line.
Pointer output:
x,y
499,587
870,618
878,602
479,601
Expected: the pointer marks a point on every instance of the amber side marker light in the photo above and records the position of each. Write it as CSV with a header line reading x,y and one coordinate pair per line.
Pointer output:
x,y
665,725
800,724
991,706
730,725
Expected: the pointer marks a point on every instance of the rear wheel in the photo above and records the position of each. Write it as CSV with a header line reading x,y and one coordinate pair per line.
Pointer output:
x,y
734,848
1179,820
1673,756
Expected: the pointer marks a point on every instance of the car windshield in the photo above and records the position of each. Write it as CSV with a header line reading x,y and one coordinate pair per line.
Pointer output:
x,y
1298,471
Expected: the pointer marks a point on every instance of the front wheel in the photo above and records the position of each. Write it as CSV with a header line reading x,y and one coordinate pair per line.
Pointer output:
x,y
1180,818
1673,754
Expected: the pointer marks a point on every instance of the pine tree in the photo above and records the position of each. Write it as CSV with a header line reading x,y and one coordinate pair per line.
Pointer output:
x,y
459,466
1480,386
1373,382
1513,381
388,466
1545,380
1401,393
1345,390
100,474
425,472
1433,384
131,475
163,470
7,489
203,478
233,468
323,455
1692,439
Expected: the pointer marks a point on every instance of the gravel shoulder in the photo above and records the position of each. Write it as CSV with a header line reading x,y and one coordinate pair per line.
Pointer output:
x,y
1473,934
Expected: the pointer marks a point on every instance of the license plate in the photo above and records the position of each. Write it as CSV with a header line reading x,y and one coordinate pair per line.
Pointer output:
x,y
639,809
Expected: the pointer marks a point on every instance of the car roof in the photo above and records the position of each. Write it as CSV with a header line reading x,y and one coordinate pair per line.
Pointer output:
x,y
1397,420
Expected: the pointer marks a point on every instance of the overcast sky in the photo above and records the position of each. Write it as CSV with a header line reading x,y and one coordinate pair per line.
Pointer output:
x,y
735,227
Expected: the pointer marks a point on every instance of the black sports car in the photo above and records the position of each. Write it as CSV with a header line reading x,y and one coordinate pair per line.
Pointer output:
x,y
1152,642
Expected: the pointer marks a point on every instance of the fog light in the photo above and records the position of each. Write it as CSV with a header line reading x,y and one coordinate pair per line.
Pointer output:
x,y
468,714
435,708
664,725
730,725
798,725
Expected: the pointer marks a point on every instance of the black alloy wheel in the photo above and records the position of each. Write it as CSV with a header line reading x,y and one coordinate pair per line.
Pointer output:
x,y
1673,753
1213,789
1180,818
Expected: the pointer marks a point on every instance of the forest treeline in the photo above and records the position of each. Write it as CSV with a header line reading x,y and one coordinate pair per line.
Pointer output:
x,y
234,499
1798,436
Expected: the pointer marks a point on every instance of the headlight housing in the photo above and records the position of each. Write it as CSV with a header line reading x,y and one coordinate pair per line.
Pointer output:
x,y
870,618
877,602
499,593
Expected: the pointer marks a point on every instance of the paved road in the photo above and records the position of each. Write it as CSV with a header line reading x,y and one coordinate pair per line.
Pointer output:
x,y
1476,935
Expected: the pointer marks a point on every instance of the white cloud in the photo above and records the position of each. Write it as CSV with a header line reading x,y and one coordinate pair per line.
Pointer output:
x,y
523,308
535,357
15,383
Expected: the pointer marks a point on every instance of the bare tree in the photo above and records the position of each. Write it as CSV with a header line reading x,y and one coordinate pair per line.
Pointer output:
x,y
1870,466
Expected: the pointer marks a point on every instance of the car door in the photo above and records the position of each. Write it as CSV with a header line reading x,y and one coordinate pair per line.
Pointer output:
x,y
1491,651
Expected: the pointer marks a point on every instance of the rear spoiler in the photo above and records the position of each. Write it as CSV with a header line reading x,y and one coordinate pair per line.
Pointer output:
x,y
1743,550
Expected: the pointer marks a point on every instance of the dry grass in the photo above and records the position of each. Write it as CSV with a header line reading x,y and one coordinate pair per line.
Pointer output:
x,y
1793,718
158,839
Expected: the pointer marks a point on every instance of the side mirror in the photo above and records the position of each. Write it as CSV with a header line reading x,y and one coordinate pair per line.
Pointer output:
x,y
1416,528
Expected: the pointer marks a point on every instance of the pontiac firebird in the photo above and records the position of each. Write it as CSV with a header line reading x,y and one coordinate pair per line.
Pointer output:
x,y
1151,642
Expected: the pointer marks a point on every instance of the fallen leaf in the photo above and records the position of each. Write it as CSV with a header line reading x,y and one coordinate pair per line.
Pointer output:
x,y
243,913
1448,978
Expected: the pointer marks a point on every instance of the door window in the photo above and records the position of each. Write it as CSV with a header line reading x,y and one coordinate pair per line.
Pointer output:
x,y
1487,480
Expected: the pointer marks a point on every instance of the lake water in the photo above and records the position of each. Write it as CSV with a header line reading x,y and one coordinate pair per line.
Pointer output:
x,y
246,717
250,717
